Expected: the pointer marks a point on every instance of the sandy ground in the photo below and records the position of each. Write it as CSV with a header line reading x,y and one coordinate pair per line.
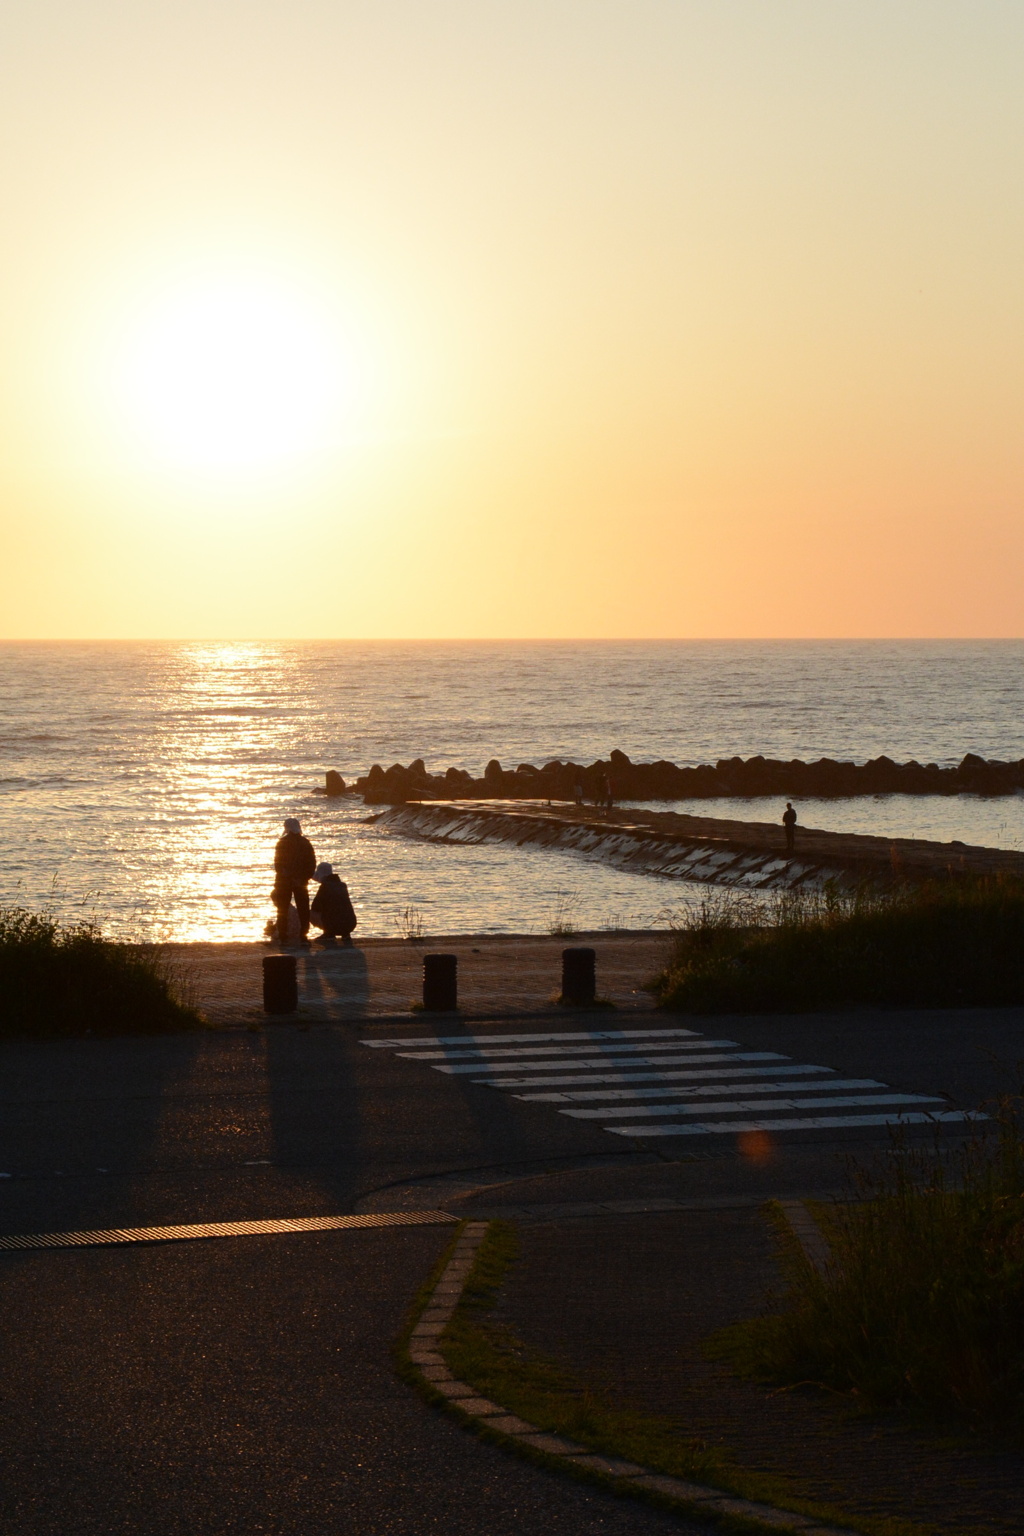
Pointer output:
x,y
498,975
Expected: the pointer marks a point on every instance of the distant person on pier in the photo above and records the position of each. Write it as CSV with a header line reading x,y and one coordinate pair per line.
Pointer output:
x,y
607,793
789,822
294,867
332,907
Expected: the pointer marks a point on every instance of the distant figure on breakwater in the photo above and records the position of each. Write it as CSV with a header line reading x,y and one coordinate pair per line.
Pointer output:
x,y
607,793
789,822
294,866
332,908
577,789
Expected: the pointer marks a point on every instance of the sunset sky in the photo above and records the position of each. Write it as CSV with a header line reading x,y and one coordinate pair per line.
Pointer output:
x,y
512,318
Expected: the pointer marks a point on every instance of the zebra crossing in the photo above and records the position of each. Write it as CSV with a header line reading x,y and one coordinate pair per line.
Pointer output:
x,y
669,1082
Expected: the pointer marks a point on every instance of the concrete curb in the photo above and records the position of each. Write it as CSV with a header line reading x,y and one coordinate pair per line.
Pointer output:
x,y
424,1350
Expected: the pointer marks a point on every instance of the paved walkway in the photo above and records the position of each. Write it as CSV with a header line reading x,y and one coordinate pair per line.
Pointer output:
x,y
244,1382
199,1389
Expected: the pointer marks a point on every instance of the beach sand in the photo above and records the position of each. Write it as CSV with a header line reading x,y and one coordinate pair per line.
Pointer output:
x,y
499,976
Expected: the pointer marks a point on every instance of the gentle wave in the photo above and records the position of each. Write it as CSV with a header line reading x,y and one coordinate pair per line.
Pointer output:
x,y
157,774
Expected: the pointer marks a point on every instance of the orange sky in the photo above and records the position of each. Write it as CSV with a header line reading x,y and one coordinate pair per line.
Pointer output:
x,y
511,318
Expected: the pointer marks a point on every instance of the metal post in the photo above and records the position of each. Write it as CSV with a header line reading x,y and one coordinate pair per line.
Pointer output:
x,y
440,983
280,987
579,977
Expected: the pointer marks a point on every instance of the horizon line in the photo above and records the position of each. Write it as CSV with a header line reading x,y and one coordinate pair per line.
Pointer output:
x,y
244,639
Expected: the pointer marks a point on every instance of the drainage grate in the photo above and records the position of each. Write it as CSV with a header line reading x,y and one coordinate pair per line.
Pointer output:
x,y
223,1229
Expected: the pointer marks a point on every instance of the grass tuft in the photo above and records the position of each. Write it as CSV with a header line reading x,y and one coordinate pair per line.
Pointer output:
x,y
59,979
951,943
490,1357
922,1307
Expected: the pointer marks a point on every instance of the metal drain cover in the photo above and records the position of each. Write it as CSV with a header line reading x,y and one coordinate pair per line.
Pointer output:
x,y
223,1229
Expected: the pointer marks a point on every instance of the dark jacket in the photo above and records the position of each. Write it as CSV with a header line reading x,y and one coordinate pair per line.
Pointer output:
x,y
294,859
332,907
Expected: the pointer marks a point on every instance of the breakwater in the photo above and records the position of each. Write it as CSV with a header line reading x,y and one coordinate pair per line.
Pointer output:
x,y
748,855
740,777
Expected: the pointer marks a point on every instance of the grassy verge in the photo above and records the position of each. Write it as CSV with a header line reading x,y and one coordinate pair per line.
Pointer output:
x,y
502,1368
61,979
922,1308
944,944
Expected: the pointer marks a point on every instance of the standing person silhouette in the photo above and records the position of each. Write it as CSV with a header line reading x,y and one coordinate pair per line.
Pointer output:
x,y
789,822
294,866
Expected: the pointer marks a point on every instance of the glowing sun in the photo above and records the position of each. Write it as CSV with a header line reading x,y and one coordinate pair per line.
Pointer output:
x,y
233,376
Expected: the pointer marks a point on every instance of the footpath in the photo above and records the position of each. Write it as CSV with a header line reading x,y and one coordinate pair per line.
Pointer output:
x,y
624,1273
189,1386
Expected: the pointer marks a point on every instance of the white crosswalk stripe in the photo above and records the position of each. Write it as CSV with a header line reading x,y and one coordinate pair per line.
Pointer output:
x,y
620,1048
751,1106
694,1077
649,1060
808,1123
704,1091
556,1036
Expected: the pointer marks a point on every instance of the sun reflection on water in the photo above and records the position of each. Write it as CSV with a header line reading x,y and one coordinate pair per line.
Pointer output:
x,y
148,781
235,708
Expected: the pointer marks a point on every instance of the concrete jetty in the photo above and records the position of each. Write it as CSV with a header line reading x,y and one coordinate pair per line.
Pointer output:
x,y
744,854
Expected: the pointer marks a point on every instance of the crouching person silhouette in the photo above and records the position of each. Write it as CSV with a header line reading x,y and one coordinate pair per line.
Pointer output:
x,y
332,907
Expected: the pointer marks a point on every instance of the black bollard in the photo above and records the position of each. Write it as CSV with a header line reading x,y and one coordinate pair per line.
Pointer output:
x,y
440,983
579,977
280,988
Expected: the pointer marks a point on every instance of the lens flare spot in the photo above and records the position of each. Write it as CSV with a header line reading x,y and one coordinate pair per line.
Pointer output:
x,y
756,1146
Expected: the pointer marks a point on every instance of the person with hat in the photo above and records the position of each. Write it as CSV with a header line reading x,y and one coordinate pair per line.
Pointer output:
x,y
332,907
294,866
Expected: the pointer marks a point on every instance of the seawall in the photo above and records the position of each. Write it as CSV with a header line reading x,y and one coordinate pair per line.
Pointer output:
x,y
749,855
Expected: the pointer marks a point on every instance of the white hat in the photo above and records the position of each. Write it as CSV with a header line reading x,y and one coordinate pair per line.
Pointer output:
x,y
323,872
291,825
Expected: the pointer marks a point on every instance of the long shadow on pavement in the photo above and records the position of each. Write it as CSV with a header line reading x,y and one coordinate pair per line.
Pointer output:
x,y
81,1121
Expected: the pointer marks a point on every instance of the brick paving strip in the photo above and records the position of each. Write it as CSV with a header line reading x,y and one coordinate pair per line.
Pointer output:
x,y
424,1351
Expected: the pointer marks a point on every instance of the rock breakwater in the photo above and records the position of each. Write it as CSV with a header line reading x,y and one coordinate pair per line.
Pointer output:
x,y
736,776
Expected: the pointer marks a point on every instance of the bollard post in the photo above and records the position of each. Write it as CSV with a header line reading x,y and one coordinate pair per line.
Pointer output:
x,y
440,983
579,977
280,987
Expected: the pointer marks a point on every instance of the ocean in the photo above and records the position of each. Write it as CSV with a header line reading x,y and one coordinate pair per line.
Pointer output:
x,y
145,783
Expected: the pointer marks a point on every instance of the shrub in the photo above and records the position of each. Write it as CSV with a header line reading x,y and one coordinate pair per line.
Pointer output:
x,y
66,979
943,944
922,1305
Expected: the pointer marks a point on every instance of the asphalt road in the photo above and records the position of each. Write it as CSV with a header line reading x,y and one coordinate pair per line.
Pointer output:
x,y
197,1389
246,1383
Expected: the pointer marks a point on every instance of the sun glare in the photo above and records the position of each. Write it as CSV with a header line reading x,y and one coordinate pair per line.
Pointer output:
x,y
234,377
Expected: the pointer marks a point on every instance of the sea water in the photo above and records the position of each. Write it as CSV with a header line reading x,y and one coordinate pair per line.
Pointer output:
x,y
145,783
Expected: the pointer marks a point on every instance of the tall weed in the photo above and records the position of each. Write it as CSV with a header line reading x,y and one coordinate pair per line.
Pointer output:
x,y
922,1304
67,978
948,943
